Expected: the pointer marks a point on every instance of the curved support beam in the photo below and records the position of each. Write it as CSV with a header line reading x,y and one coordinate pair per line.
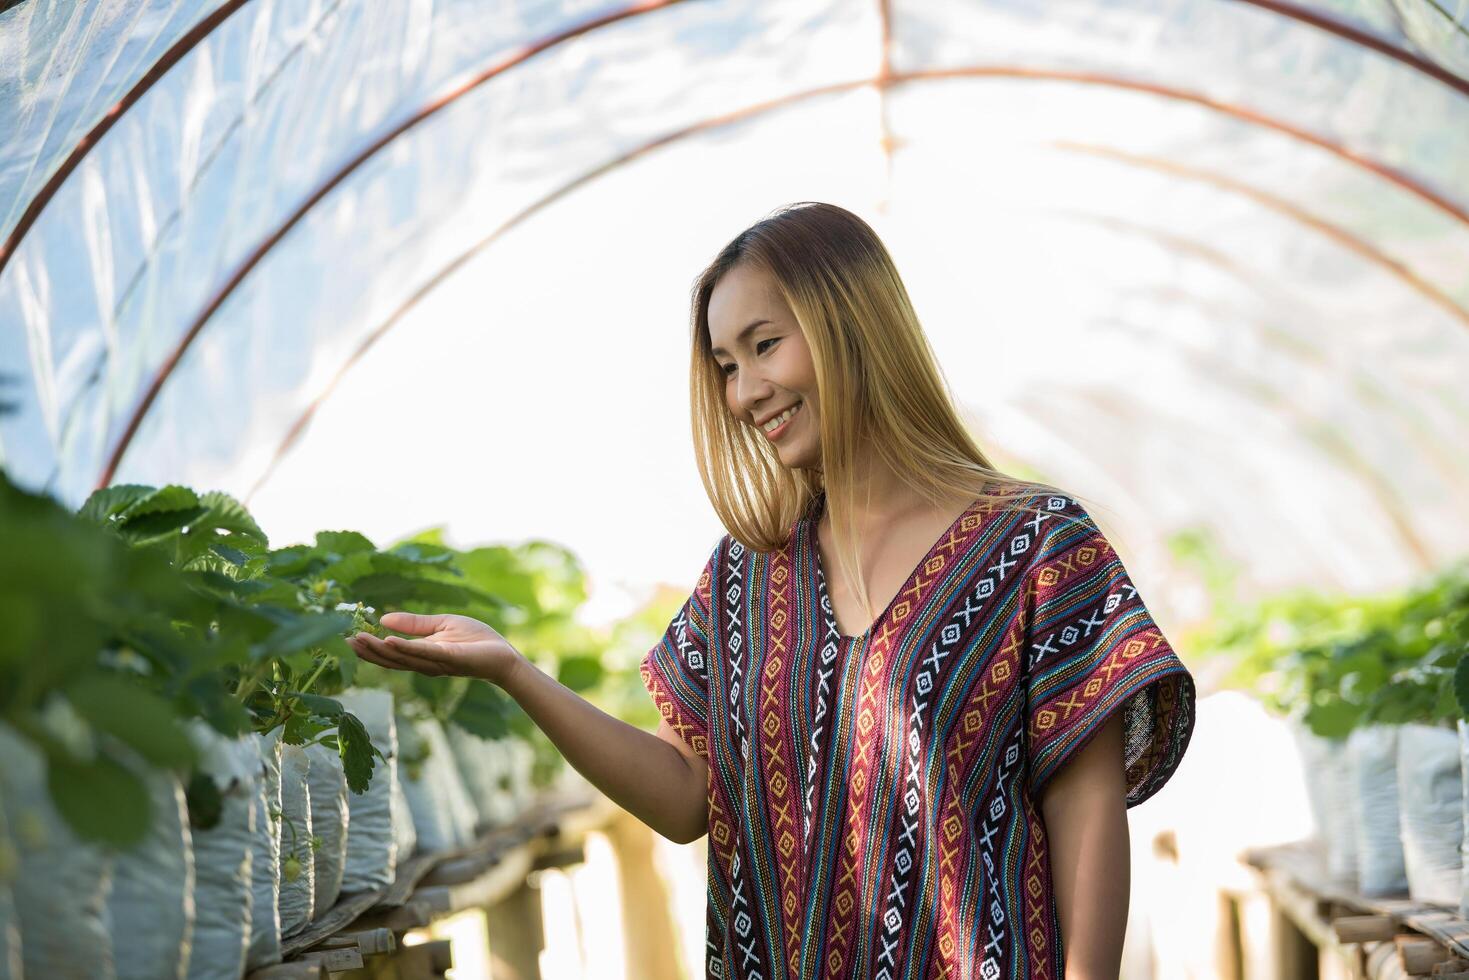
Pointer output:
x,y
1355,244
254,258
169,58
1365,38
1388,173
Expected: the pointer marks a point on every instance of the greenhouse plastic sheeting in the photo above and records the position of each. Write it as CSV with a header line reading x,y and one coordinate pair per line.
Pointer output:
x,y
1258,210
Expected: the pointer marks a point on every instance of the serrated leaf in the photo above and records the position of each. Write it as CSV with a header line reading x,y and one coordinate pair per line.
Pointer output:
x,y
101,799
228,514
106,502
158,523
357,752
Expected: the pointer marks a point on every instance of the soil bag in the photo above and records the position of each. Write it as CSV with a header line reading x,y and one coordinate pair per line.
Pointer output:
x,y
1328,789
328,785
223,897
265,872
405,834
1373,751
152,897
298,871
480,771
443,814
61,881
1431,811
372,847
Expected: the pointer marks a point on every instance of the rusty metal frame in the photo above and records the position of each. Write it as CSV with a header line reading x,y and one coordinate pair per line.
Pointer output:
x,y
1392,175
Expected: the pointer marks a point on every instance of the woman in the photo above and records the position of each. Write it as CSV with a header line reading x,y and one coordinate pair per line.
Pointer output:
x,y
910,698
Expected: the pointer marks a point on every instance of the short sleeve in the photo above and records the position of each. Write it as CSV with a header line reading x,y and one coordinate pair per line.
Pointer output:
x,y
1093,649
676,670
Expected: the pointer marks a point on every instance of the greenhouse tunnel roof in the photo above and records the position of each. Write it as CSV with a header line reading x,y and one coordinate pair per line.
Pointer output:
x,y
1204,262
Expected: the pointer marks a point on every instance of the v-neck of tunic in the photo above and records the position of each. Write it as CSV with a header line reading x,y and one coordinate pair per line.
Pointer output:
x,y
814,554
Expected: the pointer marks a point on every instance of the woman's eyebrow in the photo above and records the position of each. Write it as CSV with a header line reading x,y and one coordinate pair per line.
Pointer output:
x,y
741,336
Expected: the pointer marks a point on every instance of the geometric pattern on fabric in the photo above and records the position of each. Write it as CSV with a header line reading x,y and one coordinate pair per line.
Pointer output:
x,y
874,800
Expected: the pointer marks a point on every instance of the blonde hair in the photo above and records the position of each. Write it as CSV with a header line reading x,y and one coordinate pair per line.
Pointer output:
x,y
876,378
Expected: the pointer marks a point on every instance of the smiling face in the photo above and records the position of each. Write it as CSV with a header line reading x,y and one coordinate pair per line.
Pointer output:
x,y
766,363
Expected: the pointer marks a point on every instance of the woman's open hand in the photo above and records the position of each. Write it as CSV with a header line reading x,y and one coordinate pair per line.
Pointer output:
x,y
454,645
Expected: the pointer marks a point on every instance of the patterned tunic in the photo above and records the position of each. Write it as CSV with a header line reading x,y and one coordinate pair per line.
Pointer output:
x,y
874,800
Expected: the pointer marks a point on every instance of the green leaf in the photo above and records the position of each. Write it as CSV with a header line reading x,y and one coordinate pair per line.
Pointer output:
x,y
384,591
357,752
301,729
580,673
343,542
159,523
234,556
484,711
1461,686
107,502
228,514
133,715
306,631
424,553
318,705
206,806
100,799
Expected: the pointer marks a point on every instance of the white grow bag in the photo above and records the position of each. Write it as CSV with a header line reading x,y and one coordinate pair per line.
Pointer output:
x,y
329,816
1431,811
223,899
374,824
152,897
61,884
1373,750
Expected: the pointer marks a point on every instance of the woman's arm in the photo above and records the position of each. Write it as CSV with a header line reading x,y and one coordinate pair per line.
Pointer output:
x,y
1085,809
662,785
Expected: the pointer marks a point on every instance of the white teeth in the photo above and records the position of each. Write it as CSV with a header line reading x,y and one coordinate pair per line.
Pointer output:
x,y
776,422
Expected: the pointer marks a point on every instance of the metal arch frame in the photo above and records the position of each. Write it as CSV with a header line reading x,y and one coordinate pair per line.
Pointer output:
x,y
196,35
1361,247
730,119
885,78
175,53
1392,175
1448,464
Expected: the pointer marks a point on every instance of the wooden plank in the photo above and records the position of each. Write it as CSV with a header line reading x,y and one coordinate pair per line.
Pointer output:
x,y
336,960
1420,954
1362,928
370,942
297,970
341,915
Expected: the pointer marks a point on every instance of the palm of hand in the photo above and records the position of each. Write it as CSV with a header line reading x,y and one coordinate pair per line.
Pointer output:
x,y
451,645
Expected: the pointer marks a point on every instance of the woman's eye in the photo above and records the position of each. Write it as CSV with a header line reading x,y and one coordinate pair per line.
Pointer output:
x,y
728,369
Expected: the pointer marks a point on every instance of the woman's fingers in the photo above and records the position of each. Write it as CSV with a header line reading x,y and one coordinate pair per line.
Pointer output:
x,y
406,622
384,655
